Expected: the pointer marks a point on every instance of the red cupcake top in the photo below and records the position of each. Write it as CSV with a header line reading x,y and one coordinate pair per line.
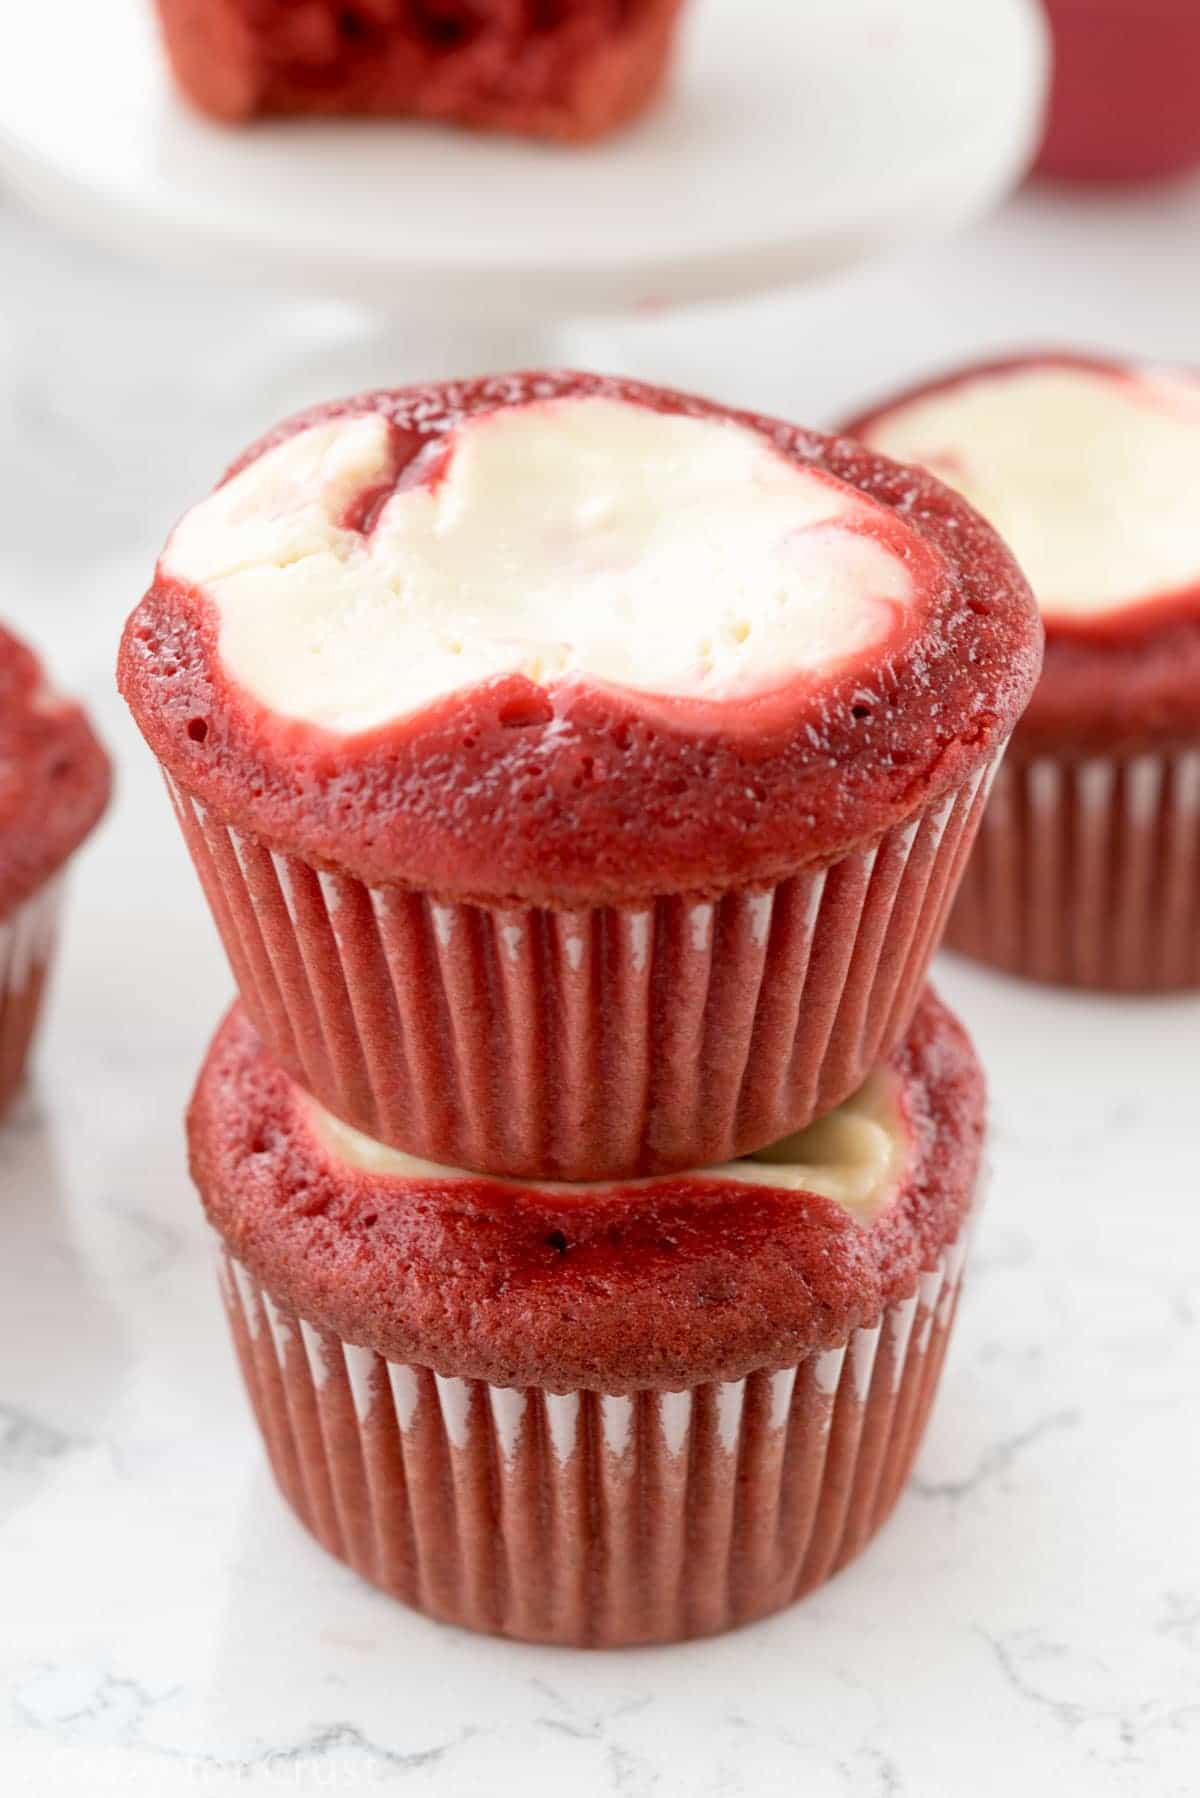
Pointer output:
x,y
1089,468
54,776
652,1282
564,639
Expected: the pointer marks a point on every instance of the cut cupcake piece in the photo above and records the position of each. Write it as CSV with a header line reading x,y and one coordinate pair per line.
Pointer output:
x,y
622,1413
579,773
54,784
1088,865
567,69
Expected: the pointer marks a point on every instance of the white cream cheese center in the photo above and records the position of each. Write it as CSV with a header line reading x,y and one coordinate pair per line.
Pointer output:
x,y
1091,477
573,538
855,1155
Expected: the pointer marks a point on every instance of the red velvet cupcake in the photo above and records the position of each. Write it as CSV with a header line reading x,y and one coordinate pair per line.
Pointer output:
x,y
579,773
567,69
54,784
594,1415
1087,870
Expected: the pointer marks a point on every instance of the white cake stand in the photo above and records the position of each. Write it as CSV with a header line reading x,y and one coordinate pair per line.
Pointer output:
x,y
798,137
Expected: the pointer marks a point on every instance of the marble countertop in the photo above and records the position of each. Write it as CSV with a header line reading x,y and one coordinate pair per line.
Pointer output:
x,y
1030,1619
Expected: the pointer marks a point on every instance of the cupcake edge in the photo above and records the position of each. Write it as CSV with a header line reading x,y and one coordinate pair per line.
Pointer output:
x,y
512,793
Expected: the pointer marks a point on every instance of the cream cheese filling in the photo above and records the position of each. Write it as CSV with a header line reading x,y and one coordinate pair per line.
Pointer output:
x,y
576,538
855,1155
1090,475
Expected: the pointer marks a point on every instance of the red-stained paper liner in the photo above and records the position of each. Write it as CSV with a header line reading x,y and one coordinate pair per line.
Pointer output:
x,y
1087,873
584,1045
27,939
584,1518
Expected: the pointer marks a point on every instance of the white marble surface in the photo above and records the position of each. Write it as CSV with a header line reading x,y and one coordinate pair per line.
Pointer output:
x,y
1029,1620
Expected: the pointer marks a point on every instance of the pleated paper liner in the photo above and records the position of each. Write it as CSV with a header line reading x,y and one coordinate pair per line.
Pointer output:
x,y
589,1519
587,1044
1087,873
27,939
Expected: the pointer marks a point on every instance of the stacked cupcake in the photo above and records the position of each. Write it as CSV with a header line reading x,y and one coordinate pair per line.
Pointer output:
x,y
580,775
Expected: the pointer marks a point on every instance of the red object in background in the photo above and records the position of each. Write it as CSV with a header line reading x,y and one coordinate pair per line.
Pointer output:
x,y
1125,98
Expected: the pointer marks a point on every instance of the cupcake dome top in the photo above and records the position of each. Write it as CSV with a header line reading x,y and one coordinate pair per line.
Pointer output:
x,y
705,1275
54,775
580,540
1089,470
557,638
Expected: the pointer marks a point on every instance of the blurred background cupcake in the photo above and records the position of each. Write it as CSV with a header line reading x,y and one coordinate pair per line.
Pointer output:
x,y
54,785
1087,869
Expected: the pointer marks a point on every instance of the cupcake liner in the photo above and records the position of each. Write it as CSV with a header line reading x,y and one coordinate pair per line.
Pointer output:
x,y
1088,873
586,1518
587,1044
27,939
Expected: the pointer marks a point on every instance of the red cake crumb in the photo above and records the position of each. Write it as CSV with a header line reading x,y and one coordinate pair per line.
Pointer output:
x,y
565,69
670,1281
